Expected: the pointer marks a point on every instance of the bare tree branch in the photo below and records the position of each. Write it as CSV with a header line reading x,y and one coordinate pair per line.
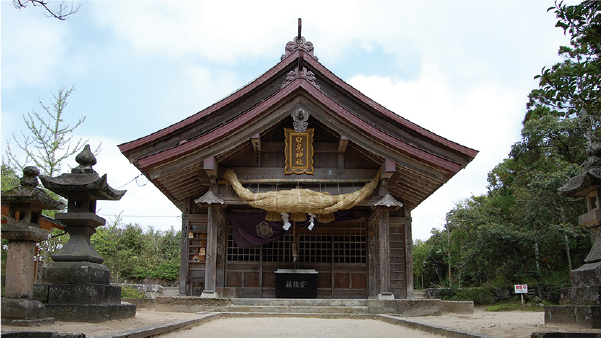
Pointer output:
x,y
63,11
50,140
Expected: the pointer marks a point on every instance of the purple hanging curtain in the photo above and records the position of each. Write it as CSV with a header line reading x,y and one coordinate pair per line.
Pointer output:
x,y
253,230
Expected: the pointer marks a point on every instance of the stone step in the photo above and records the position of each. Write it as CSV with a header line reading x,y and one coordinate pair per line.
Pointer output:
x,y
419,294
171,291
299,309
298,302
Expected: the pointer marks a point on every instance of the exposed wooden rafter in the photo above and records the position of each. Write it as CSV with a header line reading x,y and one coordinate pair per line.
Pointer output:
x,y
342,144
210,167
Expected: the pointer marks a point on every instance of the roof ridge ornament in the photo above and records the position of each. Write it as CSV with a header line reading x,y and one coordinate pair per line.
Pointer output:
x,y
300,118
296,74
299,43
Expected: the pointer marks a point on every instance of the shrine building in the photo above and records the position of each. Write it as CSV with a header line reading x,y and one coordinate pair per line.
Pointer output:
x,y
297,185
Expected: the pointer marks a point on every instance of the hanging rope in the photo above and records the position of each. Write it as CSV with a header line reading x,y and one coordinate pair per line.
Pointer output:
x,y
301,201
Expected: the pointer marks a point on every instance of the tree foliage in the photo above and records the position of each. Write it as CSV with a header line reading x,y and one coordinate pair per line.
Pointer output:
x,y
132,253
10,179
571,88
48,140
522,231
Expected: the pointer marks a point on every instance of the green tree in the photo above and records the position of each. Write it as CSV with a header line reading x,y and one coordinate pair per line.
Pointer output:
x,y
571,88
46,143
48,140
10,179
133,253
521,230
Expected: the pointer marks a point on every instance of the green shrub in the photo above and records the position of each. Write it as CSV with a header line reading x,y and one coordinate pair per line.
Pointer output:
x,y
167,271
131,292
551,293
514,306
479,296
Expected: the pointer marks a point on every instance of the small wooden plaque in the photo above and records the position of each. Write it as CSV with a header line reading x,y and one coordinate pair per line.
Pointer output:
x,y
299,152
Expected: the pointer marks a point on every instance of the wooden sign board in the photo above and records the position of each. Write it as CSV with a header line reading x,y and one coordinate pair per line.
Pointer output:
x,y
299,152
521,288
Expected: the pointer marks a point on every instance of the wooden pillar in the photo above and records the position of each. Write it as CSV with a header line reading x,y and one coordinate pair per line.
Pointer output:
x,y
409,260
384,235
211,256
372,259
221,248
183,264
184,256
210,167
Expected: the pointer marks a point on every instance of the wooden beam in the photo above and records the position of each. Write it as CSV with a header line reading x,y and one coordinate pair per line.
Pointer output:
x,y
210,167
325,174
342,144
184,177
176,169
388,169
232,199
256,142
234,151
318,147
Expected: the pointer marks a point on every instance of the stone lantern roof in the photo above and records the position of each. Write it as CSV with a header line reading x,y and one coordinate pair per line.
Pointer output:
x,y
83,179
29,193
587,181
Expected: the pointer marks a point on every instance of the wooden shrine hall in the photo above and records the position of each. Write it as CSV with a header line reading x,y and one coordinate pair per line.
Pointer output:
x,y
297,185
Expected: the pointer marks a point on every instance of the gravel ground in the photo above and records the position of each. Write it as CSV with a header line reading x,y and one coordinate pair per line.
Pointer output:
x,y
499,324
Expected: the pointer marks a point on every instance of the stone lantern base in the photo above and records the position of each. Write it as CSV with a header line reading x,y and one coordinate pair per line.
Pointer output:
x,y
24,312
581,304
81,292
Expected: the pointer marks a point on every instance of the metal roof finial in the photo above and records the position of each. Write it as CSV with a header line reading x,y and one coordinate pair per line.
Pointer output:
x,y
299,43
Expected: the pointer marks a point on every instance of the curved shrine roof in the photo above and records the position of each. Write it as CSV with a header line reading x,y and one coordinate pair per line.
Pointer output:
x,y
252,108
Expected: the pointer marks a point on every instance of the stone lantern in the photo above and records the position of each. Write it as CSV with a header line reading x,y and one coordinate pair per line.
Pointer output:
x,y
22,229
581,304
76,286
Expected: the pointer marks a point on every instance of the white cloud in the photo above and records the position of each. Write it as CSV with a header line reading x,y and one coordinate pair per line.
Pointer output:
x,y
40,45
474,63
143,203
485,118
218,30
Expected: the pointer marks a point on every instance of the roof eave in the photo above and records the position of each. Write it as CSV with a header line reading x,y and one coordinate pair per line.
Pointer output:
x,y
129,147
215,135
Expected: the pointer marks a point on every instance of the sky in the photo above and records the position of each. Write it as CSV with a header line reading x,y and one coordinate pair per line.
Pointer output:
x,y
461,69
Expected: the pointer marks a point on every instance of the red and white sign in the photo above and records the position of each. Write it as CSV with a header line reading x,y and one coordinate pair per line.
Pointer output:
x,y
521,288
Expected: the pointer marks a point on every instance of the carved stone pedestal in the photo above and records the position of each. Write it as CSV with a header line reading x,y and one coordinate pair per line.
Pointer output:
x,y
76,286
581,304
24,312
22,230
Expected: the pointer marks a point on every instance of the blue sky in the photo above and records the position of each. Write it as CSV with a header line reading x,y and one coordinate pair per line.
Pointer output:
x,y
462,69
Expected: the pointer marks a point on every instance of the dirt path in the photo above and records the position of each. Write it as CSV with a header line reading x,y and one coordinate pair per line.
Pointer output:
x,y
500,324
297,327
